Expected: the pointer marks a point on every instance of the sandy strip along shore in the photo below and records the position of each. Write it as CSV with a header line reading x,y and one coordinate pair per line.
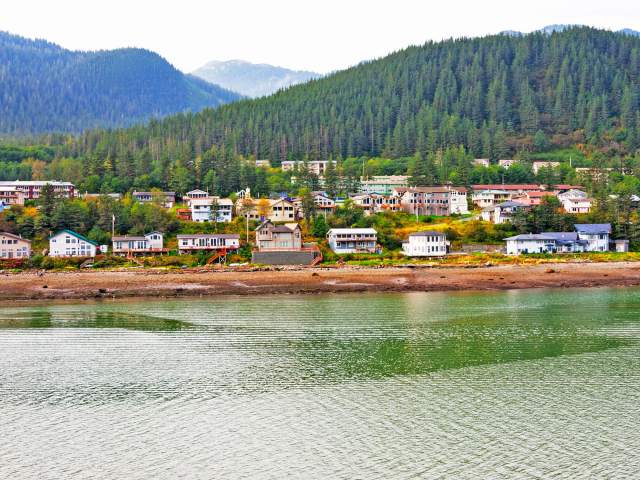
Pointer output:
x,y
201,282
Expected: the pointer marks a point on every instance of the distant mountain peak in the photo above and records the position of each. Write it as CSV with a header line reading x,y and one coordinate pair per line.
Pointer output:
x,y
252,79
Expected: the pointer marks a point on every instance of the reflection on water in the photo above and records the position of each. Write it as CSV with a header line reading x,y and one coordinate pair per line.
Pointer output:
x,y
508,384
45,318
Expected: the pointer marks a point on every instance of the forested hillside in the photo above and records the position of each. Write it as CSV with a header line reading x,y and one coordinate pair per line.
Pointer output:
x,y
490,94
45,88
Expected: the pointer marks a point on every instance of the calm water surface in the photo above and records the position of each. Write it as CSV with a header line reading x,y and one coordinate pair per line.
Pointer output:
x,y
522,384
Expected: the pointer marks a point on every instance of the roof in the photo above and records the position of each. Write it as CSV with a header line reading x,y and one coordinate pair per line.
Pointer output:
x,y
37,183
198,191
75,234
209,235
353,230
434,189
168,194
428,233
530,236
542,194
495,186
562,236
510,203
593,228
126,238
16,237
281,229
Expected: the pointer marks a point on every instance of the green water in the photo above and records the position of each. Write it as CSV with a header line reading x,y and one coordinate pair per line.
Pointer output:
x,y
520,384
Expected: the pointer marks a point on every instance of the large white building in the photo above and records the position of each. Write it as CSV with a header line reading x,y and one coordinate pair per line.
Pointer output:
x,y
67,243
30,189
353,240
429,243
317,167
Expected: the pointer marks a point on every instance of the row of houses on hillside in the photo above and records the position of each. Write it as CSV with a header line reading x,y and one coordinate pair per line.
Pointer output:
x,y
499,202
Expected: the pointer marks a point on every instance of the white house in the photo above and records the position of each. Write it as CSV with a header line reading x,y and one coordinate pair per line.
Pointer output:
x,y
201,209
148,243
197,193
586,238
576,205
482,162
66,243
199,241
596,235
206,209
503,212
353,240
428,243
530,243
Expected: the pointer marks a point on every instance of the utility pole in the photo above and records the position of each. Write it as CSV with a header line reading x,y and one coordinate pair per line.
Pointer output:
x,y
247,217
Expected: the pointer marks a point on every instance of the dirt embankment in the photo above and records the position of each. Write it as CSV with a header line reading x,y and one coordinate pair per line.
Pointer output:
x,y
157,283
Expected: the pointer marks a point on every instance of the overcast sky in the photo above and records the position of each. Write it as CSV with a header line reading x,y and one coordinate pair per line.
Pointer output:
x,y
320,35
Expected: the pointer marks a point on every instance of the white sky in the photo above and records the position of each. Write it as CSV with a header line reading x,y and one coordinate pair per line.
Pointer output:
x,y
319,35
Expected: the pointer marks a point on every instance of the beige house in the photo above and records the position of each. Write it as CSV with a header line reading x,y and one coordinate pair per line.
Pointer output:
x,y
271,237
278,210
189,243
10,195
14,246
152,242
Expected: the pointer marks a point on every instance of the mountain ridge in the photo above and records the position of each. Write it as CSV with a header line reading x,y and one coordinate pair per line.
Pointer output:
x,y
46,88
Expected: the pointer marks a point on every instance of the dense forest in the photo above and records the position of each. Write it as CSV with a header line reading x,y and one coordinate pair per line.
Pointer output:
x,y
490,94
45,88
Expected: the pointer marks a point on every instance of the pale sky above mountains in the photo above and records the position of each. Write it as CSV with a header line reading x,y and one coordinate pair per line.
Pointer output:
x,y
306,35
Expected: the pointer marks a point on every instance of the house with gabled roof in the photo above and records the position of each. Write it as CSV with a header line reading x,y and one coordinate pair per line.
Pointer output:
x,y
596,235
67,243
271,237
152,242
586,238
14,246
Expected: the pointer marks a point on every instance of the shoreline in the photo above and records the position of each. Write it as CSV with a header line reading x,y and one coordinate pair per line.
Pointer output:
x,y
109,284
